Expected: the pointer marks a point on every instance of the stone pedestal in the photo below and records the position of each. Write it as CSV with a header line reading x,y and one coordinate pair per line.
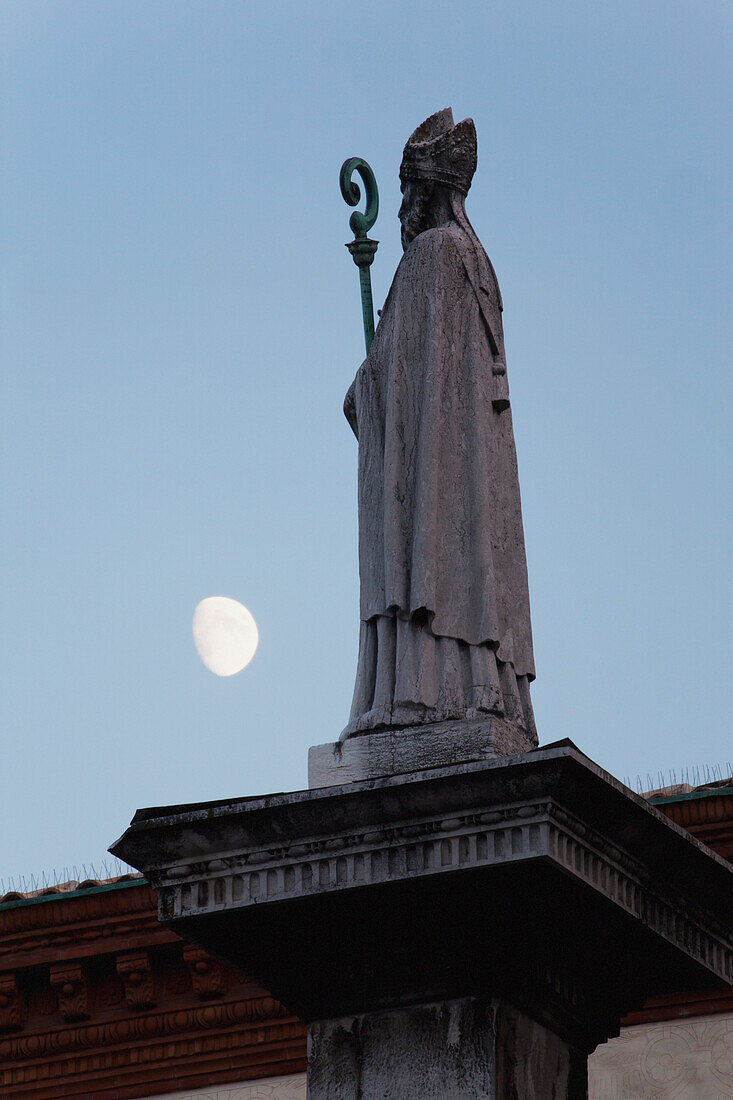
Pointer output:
x,y
470,1049
418,748
476,927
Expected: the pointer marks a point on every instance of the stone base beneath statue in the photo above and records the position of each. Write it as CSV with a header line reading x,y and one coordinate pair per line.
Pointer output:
x,y
414,749
466,1049
402,916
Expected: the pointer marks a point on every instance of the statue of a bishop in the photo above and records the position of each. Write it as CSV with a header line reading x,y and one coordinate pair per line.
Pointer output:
x,y
445,625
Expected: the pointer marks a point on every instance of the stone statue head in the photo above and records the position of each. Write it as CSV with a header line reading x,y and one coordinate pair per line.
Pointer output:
x,y
438,164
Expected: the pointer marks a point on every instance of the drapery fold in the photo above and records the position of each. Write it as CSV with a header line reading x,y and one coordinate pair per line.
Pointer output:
x,y
407,676
440,524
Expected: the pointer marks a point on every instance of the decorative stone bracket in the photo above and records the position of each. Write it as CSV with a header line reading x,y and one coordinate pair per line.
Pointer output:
x,y
11,1004
136,973
207,975
72,990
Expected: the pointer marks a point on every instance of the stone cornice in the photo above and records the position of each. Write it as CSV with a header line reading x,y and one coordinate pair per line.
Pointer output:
x,y
119,1069
543,848
503,835
373,833
94,992
83,925
175,843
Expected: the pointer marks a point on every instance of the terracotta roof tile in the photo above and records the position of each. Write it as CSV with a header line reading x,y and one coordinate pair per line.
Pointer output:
x,y
71,886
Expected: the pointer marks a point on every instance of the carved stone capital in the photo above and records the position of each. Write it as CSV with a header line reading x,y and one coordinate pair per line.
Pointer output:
x,y
136,973
207,974
70,984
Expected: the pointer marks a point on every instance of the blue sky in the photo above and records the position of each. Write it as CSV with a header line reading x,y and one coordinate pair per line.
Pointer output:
x,y
181,322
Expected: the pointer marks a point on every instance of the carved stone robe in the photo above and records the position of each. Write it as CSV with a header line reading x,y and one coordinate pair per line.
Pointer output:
x,y
445,628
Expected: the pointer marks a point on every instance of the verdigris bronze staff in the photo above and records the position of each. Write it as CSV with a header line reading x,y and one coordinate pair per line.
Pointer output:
x,y
362,248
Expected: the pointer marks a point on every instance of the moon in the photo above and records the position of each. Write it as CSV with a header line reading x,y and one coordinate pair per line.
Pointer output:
x,y
225,634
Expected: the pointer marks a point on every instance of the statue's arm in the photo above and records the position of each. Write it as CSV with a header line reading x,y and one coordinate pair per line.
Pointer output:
x,y
350,408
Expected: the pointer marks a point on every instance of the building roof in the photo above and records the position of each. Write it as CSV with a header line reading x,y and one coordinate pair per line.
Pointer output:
x,y
67,889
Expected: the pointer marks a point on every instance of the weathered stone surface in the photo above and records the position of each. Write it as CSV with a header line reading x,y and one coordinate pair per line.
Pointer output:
x,y
670,1060
427,1051
396,752
535,1063
472,1049
292,1087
